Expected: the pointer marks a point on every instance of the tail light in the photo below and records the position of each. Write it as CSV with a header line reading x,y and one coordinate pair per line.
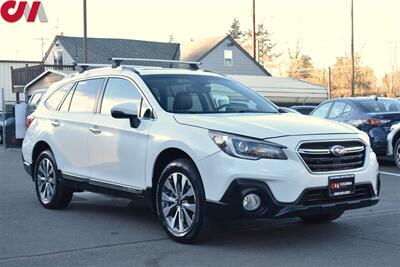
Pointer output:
x,y
29,120
375,122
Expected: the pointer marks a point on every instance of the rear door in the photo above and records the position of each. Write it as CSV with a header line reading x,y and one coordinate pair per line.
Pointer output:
x,y
117,152
71,127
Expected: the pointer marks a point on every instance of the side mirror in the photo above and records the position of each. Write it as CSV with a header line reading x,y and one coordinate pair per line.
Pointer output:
x,y
126,110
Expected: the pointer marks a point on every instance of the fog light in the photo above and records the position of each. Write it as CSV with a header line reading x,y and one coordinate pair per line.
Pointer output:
x,y
251,202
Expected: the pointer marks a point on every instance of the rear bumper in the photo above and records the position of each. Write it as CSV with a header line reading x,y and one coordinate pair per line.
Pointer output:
x,y
312,201
27,166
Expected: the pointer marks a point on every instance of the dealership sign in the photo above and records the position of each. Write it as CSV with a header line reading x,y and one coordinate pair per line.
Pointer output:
x,y
13,11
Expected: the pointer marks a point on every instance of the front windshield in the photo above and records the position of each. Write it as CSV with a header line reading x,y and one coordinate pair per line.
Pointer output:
x,y
184,93
381,105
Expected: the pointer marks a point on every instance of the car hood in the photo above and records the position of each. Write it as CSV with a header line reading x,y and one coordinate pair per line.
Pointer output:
x,y
264,126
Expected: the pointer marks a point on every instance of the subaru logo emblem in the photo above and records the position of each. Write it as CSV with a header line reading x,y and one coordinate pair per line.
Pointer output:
x,y
338,151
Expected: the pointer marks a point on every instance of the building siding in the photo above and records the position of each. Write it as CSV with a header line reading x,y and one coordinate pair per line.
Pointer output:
x,y
67,58
5,77
242,64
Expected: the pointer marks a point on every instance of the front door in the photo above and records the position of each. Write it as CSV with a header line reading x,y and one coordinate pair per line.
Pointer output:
x,y
117,152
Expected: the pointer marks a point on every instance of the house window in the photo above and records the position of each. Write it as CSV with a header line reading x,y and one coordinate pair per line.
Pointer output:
x,y
58,57
228,58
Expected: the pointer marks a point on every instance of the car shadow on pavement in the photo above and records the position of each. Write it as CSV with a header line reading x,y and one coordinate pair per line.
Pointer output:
x,y
260,232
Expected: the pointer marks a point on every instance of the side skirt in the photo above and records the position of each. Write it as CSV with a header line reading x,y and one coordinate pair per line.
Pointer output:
x,y
85,184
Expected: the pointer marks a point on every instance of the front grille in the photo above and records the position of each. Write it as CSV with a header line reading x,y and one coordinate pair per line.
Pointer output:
x,y
319,158
321,196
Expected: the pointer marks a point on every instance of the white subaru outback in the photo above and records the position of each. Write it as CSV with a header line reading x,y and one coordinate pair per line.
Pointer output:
x,y
196,145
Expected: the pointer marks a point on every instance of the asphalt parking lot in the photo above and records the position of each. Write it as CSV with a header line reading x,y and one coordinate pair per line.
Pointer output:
x,y
97,230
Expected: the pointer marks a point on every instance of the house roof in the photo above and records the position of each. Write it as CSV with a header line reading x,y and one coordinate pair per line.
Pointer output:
x,y
199,49
101,49
62,73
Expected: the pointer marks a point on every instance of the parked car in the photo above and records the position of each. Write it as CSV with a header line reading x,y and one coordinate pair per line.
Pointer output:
x,y
196,145
289,110
9,124
372,115
34,101
393,143
305,110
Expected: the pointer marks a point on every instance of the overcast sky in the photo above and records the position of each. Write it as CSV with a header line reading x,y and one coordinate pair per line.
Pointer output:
x,y
322,25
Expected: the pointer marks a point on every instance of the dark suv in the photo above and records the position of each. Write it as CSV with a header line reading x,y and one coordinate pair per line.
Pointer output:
x,y
372,115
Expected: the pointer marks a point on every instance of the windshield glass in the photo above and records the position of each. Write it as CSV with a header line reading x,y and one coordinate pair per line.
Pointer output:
x,y
381,105
184,93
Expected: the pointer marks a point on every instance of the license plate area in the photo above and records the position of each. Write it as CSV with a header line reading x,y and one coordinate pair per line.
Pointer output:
x,y
341,185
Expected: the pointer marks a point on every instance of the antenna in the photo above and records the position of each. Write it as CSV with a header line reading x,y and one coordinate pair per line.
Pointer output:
x,y
42,40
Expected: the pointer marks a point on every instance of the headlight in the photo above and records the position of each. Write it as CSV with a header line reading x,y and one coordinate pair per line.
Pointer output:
x,y
247,148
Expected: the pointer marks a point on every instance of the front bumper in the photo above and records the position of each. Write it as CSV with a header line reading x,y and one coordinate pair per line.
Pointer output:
x,y
312,201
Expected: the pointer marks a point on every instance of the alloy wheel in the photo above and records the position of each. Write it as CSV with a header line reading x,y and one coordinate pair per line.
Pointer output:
x,y
46,180
178,203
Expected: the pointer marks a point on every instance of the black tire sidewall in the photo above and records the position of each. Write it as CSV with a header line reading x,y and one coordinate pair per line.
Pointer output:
x,y
59,191
396,159
187,168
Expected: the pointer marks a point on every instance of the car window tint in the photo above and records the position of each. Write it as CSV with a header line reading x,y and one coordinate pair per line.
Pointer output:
x,y
35,99
205,94
54,100
67,101
347,110
119,91
85,94
322,111
337,110
380,105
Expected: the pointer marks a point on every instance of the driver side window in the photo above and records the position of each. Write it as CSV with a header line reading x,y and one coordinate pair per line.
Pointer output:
x,y
119,91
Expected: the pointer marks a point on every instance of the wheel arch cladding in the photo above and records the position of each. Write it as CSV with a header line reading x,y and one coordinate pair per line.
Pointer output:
x,y
163,159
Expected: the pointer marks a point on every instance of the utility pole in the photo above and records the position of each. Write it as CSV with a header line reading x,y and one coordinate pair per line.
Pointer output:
x,y
42,40
85,42
329,83
352,51
254,30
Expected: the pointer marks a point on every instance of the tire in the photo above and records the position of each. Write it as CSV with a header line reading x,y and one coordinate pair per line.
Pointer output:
x,y
181,209
49,190
396,153
322,218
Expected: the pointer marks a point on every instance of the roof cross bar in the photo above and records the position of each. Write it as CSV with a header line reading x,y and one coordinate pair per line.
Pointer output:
x,y
192,64
85,66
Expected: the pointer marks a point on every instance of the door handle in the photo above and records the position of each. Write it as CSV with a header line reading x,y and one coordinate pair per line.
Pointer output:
x,y
55,123
95,130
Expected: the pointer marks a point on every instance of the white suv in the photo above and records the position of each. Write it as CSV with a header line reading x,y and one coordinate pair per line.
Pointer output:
x,y
196,145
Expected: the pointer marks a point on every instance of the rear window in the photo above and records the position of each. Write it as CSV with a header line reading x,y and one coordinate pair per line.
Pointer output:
x,y
380,105
54,100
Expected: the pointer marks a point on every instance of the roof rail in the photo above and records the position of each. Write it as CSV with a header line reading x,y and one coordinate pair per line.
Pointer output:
x,y
85,66
118,60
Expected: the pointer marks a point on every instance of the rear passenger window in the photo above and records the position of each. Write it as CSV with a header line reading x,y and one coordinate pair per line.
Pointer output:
x,y
322,111
119,91
347,110
67,101
54,100
84,97
337,110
